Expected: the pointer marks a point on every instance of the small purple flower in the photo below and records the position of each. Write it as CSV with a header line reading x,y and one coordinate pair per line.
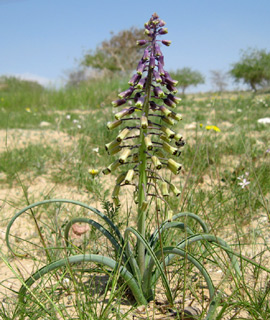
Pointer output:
x,y
139,103
169,103
160,69
118,102
141,42
173,98
163,31
140,67
171,88
166,42
158,52
161,60
135,78
127,93
162,23
152,62
141,83
157,76
146,55
158,92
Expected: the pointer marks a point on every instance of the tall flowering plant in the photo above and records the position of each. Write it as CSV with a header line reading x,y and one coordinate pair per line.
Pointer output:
x,y
147,143
146,146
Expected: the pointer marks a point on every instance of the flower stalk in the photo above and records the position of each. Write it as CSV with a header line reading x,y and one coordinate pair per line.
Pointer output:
x,y
151,95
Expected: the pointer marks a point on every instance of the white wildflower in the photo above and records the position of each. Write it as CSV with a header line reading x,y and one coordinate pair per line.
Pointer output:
x,y
75,121
66,282
244,183
264,120
68,116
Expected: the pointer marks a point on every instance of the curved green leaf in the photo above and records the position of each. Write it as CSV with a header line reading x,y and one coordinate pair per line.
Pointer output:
x,y
193,216
105,261
100,214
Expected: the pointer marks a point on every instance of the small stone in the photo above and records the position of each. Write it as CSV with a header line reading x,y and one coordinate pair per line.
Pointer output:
x,y
44,124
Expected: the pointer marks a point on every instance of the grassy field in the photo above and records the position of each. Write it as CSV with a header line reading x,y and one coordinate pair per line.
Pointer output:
x,y
51,140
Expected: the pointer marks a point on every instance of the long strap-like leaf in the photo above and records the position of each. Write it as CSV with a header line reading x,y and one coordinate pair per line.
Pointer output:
x,y
156,262
97,212
66,262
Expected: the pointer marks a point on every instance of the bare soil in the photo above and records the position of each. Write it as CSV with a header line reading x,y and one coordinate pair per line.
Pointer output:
x,y
13,199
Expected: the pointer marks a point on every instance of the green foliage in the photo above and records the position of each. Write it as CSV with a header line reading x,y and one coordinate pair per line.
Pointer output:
x,y
187,77
253,68
17,95
117,54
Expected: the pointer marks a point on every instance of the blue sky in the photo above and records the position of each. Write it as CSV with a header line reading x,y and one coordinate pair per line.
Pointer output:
x,y
43,39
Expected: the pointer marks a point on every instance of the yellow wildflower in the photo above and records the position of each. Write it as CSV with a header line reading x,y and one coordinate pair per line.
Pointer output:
x,y
93,172
27,109
215,128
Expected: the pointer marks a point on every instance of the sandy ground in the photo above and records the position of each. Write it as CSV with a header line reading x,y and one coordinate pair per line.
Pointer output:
x,y
12,199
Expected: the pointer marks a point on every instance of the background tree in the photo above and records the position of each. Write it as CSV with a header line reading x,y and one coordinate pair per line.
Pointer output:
x,y
218,79
187,77
253,68
118,53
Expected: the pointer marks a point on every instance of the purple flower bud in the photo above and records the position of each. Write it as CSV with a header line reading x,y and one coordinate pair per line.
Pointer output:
x,y
158,92
162,23
146,25
157,76
171,88
146,55
169,103
163,31
160,69
165,111
135,78
167,75
173,83
158,52
161,60
141,42
152,62
147,32
140,67
127,93
173,98
141,83
118,102
166,42
139,103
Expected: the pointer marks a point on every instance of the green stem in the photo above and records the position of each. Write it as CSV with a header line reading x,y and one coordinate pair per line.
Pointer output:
x,y
142,177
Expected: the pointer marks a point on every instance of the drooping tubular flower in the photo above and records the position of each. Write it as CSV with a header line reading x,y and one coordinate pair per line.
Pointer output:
x,y
146,143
